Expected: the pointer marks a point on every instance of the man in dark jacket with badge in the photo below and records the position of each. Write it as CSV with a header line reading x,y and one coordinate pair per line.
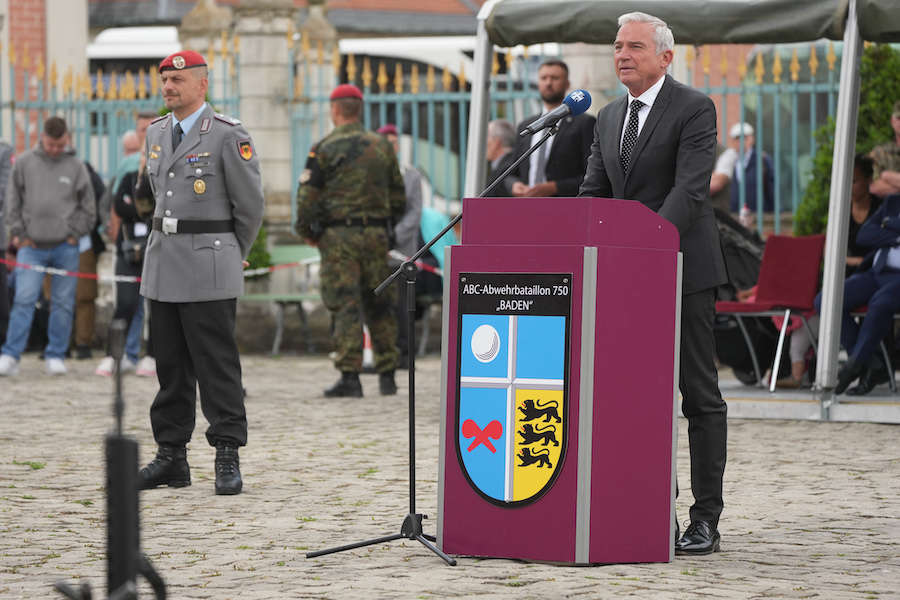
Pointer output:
x,y
205,182
350,194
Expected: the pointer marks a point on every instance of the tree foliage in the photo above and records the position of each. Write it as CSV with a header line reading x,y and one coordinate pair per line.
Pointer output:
x,y
879,90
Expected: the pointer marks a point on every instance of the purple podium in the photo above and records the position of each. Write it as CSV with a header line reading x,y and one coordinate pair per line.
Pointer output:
x,y
559,382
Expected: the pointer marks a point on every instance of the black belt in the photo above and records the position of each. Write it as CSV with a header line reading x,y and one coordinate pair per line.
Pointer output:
x,y
170,225
359,222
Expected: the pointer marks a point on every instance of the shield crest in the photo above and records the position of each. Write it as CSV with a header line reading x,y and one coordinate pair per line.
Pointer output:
x,y
511,410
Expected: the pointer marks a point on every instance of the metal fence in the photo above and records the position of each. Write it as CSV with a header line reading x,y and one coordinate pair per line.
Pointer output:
x,y
429,106
98,107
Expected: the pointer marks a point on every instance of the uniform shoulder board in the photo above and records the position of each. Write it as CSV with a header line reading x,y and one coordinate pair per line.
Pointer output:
x,y
158,119
227,119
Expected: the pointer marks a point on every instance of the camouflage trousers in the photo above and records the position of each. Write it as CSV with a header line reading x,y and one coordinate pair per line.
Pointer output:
x,y
354,262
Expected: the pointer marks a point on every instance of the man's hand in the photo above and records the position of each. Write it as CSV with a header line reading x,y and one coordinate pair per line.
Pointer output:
x,y
71,241
519,189
245,263
542,190
22,242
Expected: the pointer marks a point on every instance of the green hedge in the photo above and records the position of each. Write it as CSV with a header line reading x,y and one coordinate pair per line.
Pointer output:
x,y
879,89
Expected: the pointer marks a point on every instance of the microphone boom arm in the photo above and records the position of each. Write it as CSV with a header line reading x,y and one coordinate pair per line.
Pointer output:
x,y
551,130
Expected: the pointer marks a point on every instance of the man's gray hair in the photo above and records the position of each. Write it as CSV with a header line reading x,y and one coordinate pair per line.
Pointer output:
x,y
662,35
504,131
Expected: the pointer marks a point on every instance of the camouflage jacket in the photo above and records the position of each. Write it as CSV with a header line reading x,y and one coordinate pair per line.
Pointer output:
x,y
886,158
350,173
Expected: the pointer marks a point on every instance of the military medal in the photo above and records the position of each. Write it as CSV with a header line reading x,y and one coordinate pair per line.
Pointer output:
x,y
199,186
154,155
155,148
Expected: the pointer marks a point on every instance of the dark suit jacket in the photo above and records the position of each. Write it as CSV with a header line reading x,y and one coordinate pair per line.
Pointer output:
x,y
749,182
880,230
568,154
504,188
671,164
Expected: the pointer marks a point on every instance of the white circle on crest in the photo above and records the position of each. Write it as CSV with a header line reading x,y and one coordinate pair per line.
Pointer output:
x,y
485,343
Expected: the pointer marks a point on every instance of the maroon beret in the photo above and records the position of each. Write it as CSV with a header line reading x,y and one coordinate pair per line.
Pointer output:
x,y
185,59
387,129
346,90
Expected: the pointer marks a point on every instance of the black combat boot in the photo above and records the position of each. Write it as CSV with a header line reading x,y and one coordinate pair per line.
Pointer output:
x,y
347,386
228,470
170,467
386,384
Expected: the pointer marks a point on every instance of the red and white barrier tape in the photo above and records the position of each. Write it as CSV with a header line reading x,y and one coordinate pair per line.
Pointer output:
x,y
423,266
133,278
247,273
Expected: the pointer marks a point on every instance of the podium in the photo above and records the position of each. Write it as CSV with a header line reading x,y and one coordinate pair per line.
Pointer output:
x,y
559,382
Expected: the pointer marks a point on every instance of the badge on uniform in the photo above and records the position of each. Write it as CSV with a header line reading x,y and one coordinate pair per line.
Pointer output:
x,y
199,186
154,155
192,158
305,175
178,62
245,149
155,148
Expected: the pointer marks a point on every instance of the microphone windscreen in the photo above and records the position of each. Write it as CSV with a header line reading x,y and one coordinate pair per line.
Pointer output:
x,y
578,101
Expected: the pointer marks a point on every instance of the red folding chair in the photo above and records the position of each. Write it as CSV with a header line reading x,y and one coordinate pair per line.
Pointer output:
x,y
788,280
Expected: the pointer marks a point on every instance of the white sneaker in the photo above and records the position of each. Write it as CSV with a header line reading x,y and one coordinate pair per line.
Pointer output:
x,y
8,366
106,366
146,367
55,366
128,366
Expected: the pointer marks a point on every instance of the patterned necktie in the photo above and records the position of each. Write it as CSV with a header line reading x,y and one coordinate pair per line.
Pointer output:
x,y
177,134
631,133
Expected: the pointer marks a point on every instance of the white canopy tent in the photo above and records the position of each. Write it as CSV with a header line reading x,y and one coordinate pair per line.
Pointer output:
x,y
513,22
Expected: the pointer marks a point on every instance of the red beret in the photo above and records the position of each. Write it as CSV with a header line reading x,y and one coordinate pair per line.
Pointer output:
x,y
346,90
185,59
387,129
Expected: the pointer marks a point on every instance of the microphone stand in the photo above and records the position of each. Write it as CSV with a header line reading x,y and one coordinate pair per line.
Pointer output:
x,y
412,525
124,559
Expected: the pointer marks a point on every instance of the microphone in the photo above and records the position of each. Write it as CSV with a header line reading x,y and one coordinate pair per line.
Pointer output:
x,y
574,104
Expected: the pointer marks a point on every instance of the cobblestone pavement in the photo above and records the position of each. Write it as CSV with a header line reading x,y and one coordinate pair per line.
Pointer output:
x,y
812,509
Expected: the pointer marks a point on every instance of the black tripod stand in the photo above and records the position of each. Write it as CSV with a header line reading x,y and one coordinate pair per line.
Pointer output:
x,y
123,547
412,525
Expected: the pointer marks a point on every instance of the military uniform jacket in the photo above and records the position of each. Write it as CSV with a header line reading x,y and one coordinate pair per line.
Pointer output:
x,y
212,175
350,173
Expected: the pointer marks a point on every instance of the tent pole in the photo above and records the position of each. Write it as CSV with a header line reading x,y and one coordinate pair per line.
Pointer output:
x,y
838,214
479,109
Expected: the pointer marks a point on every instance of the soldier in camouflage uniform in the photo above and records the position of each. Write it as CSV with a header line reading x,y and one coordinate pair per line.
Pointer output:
x,y
886,175
350,194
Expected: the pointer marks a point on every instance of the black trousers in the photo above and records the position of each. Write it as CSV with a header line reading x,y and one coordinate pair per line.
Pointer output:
x,y
195,345
702,404
128,295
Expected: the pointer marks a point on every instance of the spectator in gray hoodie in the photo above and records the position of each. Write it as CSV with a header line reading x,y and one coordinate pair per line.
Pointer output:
x,y
6,158
50,205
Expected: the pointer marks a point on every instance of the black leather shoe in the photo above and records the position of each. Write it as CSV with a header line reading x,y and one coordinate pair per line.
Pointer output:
x,y
699,538
386,384
847,375
82,352
871,378
228,470
170,467
347,386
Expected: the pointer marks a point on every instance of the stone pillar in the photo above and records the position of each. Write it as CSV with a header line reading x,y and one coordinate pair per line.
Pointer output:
x,y
318,41
262,27
591,68
204,24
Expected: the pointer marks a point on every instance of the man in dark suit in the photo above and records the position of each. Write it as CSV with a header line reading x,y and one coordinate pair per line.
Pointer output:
x,y
657,146
501,139
745,170
877,285
557,168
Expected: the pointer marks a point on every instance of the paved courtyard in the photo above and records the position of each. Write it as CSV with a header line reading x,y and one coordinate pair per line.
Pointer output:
x,y
812,508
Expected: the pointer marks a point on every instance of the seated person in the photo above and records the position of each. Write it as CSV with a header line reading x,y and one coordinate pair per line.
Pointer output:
x,y
876,284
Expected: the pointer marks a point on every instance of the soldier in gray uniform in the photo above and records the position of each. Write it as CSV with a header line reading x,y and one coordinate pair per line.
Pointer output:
x,y
204,176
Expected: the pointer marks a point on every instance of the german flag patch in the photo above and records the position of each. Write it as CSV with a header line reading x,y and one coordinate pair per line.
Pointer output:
x,y
245,149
